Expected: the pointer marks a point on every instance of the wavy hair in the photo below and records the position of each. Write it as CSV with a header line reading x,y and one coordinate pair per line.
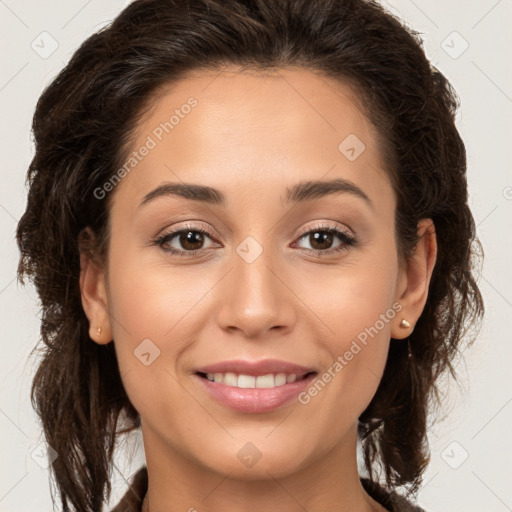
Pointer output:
x,y
82,126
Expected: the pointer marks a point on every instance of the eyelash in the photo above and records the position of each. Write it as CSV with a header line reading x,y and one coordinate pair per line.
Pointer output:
x,y
348,241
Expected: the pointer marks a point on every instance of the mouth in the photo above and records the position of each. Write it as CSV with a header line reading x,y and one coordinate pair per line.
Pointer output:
x,y
245,381
254,394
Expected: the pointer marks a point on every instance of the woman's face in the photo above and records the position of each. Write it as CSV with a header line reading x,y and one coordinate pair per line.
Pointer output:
x,y
288,270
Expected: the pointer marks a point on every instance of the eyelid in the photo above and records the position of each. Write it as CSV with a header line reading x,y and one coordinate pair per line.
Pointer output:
x,y
175,229
324,225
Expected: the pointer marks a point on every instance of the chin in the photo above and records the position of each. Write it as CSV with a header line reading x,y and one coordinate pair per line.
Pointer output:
x,y
255,460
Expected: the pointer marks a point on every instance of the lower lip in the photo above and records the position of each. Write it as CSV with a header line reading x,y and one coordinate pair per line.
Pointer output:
x,y
255,400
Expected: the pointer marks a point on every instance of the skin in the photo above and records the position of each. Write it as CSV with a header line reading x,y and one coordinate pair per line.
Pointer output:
x,y
251,136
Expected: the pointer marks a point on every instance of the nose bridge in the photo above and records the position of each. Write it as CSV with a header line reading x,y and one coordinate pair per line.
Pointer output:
x,y
252,265
256,299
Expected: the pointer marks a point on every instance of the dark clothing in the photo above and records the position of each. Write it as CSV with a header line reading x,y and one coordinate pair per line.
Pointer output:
x,y
132,499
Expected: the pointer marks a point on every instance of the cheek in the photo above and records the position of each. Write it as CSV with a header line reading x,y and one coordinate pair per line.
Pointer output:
x,y
155,301
353,298
150,297
356,308
156,314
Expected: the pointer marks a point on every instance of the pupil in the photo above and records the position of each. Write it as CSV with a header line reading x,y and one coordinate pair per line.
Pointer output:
x,y
188,239
322,237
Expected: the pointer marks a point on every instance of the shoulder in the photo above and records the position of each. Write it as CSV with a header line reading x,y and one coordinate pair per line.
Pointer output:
x,y
133,497
391,500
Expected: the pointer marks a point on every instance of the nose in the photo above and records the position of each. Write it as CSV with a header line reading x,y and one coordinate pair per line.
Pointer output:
x,y
256,299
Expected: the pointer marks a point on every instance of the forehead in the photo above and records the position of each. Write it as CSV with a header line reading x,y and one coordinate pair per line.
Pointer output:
x,y
227,128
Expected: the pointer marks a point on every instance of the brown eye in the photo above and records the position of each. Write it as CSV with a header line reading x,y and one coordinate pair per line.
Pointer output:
x,y
191,240
186,241
321,240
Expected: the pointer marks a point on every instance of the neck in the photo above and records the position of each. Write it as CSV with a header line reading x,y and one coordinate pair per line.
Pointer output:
x,y
331,482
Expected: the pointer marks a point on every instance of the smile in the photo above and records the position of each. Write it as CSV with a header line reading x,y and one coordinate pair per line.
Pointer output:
x,y
250,381
254,394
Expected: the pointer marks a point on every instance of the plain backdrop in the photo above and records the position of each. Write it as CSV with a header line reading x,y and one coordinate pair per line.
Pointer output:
x,y
470,43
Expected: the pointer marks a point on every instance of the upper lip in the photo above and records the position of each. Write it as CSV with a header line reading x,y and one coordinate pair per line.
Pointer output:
x,y
255,368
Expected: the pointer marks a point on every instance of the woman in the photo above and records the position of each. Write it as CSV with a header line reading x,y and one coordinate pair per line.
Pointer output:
x,y
248,226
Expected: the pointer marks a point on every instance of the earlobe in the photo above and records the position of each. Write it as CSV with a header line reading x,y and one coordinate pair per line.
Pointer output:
x,y
416,280
93,292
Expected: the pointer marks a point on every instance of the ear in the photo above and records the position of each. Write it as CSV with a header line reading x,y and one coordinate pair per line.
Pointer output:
x,y
414,280
93,290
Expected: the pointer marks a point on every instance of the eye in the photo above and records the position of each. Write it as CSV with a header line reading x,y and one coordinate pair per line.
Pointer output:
x,y
190,238
322,237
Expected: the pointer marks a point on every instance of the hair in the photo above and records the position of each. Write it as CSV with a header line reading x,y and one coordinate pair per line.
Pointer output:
x,y
83,124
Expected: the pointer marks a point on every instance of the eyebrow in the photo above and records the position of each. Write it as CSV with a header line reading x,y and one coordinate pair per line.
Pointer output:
x,y
300,192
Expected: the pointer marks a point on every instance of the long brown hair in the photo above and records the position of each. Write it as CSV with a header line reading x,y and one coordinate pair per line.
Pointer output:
x,y
82,126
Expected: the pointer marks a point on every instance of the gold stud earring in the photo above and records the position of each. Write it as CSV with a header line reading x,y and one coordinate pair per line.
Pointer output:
x,y
405,324
99,332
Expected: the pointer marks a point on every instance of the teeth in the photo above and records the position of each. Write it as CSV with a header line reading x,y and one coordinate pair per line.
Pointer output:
x,y
280,379
250,381
265,381
246,381
230,379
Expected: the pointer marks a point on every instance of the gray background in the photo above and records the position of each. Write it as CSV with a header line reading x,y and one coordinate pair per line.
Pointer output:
x,y
472,447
